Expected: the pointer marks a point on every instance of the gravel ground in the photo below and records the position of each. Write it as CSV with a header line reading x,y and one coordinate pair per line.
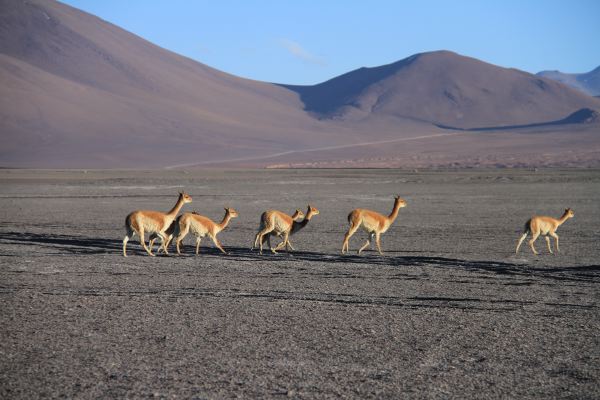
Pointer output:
x,y
448,312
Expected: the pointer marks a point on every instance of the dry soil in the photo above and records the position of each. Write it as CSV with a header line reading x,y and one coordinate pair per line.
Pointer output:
x,y
448,312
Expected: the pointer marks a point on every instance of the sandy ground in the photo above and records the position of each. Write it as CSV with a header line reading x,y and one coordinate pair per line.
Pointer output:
x,y
448,312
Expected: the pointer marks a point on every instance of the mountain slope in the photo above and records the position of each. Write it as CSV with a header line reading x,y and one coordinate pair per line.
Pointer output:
x,y
79,92
70,78
444,88
588,82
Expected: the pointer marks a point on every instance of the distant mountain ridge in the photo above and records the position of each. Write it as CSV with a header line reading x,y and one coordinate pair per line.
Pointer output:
x,y
588,82
77,91
443,88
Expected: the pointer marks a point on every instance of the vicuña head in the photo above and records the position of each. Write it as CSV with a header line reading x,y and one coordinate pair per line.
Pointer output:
x,y
569,213
297,215
311,212
185,197
399,201
231,212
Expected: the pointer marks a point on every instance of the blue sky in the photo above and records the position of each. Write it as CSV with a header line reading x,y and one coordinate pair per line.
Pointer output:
x,y
307,42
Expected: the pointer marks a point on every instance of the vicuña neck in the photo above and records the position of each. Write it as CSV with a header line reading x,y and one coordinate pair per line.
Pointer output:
x,y
394,212
564,217
296,226
177,207
224,221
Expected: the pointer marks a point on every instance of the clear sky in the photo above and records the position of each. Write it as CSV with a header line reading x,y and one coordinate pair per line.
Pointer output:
x,y
307,42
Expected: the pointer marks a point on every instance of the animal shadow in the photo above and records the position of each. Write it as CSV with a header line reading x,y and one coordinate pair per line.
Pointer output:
x,y
82,245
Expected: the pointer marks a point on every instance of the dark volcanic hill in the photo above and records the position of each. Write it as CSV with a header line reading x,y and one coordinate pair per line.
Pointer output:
x,y
79,92
444,88
588,82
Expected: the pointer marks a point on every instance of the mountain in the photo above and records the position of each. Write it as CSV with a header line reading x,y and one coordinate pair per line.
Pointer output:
x,y
79,92
588,82
445,89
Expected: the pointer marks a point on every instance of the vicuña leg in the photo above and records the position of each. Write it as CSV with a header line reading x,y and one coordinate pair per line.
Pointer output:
x,y
284,243
182,233
169,240
351,231
555,236
163,242
278,247
367,243
533,239
125,240
289,246
178,244
198,240
286,239
255,245
520,241
261,234
151,239
378,242
217,243
151,244
130,233
143,242
548,244
267,239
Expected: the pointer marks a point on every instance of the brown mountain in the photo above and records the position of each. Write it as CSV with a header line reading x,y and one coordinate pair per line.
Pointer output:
x,y
77,91
588,82
445,89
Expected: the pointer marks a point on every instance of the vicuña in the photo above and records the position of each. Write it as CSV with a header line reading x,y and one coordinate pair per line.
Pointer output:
x,y
152,222
374,223
275,223
296,226
201,226
541,225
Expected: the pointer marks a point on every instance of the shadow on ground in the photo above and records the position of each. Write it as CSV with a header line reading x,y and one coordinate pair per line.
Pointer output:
x,y
81,245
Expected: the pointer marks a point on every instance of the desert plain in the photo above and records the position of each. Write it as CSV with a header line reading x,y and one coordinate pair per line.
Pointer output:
x,y
449,311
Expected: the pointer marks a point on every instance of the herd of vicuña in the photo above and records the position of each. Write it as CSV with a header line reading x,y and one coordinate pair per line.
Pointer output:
x,y
168,227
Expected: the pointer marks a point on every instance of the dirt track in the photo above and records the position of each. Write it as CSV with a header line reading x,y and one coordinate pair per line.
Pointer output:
x,y
449,311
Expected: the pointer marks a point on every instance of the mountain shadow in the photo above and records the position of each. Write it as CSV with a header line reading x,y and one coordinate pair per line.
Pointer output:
x,y
583,116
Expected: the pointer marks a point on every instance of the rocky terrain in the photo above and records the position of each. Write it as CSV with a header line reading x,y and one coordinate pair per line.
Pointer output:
x,y
448,312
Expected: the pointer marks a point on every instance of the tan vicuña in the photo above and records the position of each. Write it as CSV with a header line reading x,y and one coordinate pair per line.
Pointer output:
x,y
296,226
152,222
542,225
274,223
374,223
201,226
170,234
